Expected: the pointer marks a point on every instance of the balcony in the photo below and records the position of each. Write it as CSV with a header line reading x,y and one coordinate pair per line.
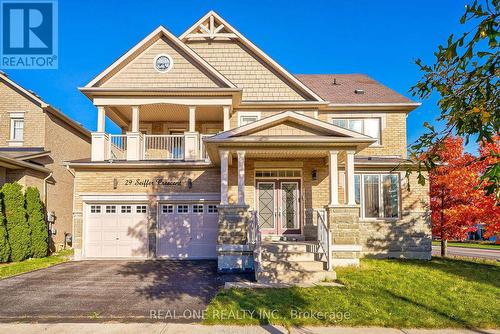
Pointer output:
x,y
156,147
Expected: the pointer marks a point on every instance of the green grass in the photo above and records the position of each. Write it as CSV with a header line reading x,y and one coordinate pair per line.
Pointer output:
x,y
469,245
440,293
15,268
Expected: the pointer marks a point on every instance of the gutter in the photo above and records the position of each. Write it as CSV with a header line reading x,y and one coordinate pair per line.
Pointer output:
x,y
45,189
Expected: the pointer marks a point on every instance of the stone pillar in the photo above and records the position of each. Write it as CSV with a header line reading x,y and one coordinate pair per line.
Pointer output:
x,y
226,110
343,222
334,178
233,252
76,241
134,146
224,177
349,177
241,177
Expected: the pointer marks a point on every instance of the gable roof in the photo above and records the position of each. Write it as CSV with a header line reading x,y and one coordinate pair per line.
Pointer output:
x,y
158,33
228,31
42,104
294,117
343,91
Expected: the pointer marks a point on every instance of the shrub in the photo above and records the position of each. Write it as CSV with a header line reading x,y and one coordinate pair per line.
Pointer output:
x,y
17,226
37,223
4,242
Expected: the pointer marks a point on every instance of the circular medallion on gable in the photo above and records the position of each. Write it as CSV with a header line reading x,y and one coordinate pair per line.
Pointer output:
x,y
163,63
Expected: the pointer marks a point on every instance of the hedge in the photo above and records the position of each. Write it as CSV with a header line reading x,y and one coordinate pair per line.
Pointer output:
x,y
37,223
4,242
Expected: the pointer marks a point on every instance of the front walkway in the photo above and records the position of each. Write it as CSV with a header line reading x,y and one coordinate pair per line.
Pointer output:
x,y
162,328
112,290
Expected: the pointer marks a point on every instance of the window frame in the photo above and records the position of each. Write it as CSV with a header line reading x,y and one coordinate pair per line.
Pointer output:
x,y
95,209
380,199
137,210
165,209
179,205
126,208
212,209
363,122
198,205
112,209
241,114
13,121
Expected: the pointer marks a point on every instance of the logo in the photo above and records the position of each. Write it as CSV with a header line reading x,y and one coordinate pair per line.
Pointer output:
x,y
29,34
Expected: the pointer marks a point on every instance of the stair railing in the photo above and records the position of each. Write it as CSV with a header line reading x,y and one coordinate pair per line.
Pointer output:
x,y
324,237
254,235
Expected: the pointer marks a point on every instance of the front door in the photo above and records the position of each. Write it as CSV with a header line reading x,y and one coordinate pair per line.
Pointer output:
x,y
278,204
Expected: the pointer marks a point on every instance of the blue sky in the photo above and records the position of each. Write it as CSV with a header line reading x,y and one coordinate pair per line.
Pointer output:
x,y
378,38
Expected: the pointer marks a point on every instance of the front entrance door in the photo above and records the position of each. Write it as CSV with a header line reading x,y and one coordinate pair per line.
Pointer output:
x,y
278,204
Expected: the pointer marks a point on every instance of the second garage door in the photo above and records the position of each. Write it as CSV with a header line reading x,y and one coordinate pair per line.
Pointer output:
x,y
187,230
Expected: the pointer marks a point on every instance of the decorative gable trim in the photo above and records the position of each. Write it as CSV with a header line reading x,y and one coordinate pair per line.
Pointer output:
x,y
146,42
212,26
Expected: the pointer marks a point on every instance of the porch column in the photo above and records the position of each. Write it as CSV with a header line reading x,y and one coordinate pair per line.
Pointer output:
x,y
100,140
334,178
349,177
224,177
135,118
192,118
226,110
241,177
101,119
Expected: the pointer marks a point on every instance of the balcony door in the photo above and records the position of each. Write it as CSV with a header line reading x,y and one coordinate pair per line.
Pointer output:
x,y
278,206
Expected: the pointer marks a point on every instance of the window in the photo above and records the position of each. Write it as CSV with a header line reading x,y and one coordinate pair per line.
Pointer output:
x,y
197,208
95,209
141,209
378,195
367,126
17,129
245,118
182,208
278,173
110,208
126,209
212,208
167,208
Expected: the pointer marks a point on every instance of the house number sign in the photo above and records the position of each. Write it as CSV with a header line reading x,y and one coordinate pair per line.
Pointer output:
x,y
154,182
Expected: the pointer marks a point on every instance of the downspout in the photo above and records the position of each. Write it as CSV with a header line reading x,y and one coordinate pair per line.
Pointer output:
x,y
45,189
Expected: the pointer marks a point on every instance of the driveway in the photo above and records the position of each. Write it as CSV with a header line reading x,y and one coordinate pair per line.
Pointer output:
x,y
489,254
106,290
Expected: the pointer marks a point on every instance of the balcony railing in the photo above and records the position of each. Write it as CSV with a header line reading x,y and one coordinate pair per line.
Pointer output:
x,y
117,147
163,147
203,151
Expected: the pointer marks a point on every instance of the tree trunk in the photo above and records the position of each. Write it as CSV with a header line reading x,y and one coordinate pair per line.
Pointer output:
x,y
444,248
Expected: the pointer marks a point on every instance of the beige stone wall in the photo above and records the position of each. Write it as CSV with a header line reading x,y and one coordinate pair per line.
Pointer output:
x,y
245,70
64,144
140,72
34,122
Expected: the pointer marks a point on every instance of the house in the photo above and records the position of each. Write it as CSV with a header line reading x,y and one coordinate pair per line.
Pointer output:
x,y
35,139
224,154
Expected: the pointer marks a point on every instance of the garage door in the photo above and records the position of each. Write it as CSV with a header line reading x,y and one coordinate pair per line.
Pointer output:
x,y
116,230
187,230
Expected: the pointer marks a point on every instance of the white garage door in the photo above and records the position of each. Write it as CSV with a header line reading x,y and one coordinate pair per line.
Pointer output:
x,y
116,230
187,230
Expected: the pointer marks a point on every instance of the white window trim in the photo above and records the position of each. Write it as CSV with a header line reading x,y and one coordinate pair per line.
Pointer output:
x,y
381,199
14,116
248,113
381,117
169,58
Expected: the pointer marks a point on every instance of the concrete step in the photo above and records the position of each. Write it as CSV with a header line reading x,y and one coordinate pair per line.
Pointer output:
x,y
289,256
290,247
285,265
294,276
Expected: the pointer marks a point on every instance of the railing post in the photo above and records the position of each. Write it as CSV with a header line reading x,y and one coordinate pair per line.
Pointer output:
x,y
99,146
134,146
191,146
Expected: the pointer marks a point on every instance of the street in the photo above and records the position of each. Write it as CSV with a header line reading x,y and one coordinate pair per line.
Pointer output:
x,y
489,254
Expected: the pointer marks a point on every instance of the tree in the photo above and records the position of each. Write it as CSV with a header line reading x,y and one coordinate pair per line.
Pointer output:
x,y
457,198
4,242
466,76
37,223
17,225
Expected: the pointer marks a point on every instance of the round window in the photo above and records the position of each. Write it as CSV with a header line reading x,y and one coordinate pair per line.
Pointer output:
x,y
163,63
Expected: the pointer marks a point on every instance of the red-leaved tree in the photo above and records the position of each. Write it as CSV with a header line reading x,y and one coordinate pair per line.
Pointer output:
x,y
457,198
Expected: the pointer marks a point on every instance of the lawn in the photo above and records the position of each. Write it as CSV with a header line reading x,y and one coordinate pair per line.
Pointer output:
x,y
469,245
15,268
440,293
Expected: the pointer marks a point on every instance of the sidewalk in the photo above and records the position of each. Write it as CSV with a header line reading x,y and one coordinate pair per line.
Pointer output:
x,y
119,328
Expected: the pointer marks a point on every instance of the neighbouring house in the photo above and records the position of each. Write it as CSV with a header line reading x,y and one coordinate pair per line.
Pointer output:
x,y
35,139
223,154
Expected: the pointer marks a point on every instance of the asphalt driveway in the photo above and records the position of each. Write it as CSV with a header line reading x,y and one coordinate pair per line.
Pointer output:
x,y
106,290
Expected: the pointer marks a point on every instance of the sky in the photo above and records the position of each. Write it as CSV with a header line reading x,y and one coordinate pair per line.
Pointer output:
x,y
379,38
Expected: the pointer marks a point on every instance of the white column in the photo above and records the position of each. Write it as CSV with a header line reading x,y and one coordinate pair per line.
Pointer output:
x,y
226,117
334,178
349,177
224,177
101,118
192,118
135,118
241,177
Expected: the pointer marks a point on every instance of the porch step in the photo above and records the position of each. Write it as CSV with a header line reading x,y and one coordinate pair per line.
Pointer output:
x,y
291,262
